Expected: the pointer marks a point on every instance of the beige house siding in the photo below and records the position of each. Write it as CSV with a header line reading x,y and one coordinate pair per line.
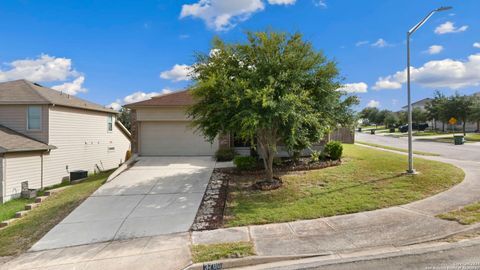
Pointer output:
x,y
20,167
161,114
15,117
2,176
83,143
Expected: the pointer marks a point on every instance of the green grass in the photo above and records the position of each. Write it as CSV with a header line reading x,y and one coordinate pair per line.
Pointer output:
x,y
368,179
471,137
8,209
22,234
207,253
397,149
467,215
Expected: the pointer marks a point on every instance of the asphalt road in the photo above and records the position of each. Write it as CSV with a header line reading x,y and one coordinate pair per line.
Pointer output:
x,y
461,258
468,151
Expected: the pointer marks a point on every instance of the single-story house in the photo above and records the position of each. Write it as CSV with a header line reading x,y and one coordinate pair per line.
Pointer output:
x,y
45,134
161,127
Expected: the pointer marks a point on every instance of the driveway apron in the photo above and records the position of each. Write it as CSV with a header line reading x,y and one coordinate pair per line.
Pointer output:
x,y
157,196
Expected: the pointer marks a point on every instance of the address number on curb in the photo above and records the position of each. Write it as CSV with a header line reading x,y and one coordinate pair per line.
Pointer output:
x,y
213,266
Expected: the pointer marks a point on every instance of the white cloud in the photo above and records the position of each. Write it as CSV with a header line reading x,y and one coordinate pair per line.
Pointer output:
x,y
476,45
380,43
115,105
222,15
177,73
136,97
320,3
449,27
72,88
361,43
434,49
360,87
373,104
282,2
45,68
447,73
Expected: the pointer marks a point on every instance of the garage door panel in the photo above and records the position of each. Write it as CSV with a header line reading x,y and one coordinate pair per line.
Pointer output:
x,y
173,139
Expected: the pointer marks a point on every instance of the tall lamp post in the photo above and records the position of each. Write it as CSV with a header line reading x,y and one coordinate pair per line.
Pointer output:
x,y
411,170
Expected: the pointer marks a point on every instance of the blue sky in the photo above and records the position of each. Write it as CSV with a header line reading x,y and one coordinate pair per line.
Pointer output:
x,y
124,51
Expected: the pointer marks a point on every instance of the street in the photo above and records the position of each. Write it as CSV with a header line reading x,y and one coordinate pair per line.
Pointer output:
x,y
468,151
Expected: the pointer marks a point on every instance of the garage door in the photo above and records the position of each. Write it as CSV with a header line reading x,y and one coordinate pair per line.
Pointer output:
x,y
173,139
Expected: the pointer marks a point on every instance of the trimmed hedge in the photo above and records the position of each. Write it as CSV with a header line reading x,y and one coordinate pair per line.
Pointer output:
x,y
333,150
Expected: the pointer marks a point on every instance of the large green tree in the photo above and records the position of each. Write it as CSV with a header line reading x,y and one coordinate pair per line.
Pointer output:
x,y
460,107
273,88
475,111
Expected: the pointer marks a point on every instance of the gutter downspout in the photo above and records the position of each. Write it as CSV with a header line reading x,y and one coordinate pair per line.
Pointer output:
x,y
41,170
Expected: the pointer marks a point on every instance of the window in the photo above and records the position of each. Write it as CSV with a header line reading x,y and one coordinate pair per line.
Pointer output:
x,y
34,117
110,123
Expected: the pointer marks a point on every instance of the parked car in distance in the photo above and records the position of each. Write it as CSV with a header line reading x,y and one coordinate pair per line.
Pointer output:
x,y
415,126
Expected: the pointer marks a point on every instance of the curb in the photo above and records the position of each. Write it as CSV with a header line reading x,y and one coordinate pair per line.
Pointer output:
x,y
250,261
126,165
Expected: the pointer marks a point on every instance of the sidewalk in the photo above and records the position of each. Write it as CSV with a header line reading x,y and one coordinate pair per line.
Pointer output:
x,y
395,226
389,229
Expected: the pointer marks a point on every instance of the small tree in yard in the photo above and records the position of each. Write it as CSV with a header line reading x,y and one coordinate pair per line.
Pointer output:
x,y
475,111
436,110
274,88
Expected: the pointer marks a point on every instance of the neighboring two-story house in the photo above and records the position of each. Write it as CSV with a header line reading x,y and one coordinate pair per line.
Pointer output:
x,y
45,134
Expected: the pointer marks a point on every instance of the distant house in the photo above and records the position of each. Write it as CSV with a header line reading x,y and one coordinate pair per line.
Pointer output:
x,y
470,127
45,134
418,104
161,127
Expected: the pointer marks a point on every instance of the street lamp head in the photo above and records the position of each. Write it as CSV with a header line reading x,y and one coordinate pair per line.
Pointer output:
x,y
443,8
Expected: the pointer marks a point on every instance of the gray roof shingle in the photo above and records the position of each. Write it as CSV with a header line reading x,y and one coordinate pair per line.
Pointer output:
x,y
12,141
25,92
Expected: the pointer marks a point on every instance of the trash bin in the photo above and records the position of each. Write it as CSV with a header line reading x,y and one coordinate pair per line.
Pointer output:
x,y
359,129
392,130
459,139
372,131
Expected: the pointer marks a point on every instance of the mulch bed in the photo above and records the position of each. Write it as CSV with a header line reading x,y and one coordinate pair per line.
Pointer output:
x,y
210,215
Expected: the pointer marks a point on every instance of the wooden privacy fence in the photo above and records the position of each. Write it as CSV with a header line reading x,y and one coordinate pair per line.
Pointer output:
x,y
342,134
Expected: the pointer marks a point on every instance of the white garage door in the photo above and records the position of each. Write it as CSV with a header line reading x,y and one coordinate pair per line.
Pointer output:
x,y
173,139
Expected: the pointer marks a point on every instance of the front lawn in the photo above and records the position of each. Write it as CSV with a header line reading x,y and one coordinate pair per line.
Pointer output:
x,y
8,209
22,234
466,215
368,179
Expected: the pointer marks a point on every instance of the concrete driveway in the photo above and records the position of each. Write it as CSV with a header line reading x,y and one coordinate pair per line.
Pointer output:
x,y
158,195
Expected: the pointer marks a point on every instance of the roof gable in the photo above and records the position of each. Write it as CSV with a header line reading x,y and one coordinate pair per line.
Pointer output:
x,y
25,92
175,99
12,141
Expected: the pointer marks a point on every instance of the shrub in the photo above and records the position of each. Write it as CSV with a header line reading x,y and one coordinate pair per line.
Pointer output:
x,y
225,154
245,163
315,156
277,161
333,150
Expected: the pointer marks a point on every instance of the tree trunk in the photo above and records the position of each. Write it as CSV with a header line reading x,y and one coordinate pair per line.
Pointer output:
x,y
267,141
478,126
443,126
464,128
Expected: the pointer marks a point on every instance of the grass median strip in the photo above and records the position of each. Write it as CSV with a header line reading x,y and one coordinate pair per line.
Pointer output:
x,y
22,234
466,215
213,252
368,179
421,153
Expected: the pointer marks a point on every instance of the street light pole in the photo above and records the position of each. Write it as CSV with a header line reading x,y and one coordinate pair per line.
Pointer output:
x,y
410,169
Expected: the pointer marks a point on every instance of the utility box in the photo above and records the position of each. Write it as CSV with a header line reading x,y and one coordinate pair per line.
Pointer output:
x,y
78,175
459,139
